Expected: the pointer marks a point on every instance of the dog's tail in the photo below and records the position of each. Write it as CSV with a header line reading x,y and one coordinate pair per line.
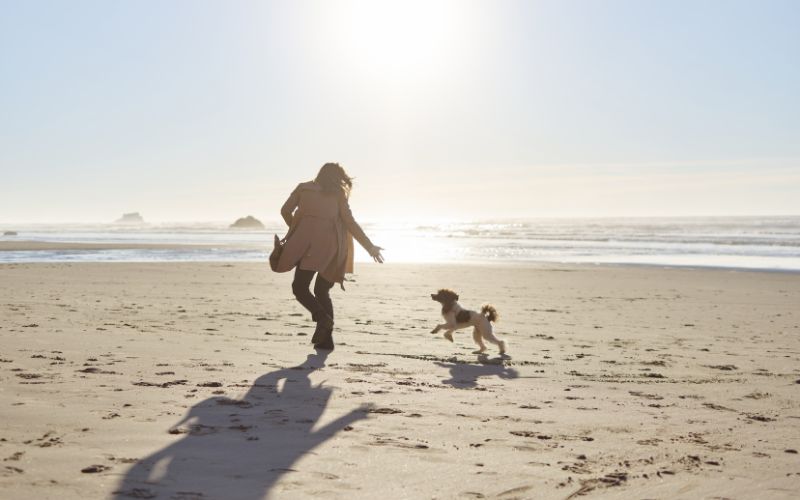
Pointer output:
x,y
490,312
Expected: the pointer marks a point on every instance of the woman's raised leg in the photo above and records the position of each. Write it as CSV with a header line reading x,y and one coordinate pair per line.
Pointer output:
x,y
300,288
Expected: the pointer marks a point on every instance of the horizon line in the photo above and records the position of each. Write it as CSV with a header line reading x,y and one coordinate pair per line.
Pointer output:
x,y
414,220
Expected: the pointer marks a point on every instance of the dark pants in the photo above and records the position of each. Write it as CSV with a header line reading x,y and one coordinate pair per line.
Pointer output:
x,y
320,301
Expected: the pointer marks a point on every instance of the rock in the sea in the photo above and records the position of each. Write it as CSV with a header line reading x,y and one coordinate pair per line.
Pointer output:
x,y
248,222
131,218
9,233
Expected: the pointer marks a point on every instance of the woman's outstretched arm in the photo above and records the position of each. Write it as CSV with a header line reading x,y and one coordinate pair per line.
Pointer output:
x,y
358,233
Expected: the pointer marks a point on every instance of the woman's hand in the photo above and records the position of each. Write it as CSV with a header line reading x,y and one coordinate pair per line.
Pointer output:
x,y
375,253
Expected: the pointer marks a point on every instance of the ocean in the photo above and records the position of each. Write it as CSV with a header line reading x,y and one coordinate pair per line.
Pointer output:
x,y
770,243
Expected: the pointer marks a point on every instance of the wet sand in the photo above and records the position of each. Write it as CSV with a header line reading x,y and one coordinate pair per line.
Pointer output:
x,y
197,381
28,246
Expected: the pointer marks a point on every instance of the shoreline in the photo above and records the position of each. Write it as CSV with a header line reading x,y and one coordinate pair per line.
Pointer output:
x,y
535,264
54,246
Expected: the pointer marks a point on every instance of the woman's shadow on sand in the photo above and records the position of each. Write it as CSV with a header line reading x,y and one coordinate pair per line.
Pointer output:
x,y
239,448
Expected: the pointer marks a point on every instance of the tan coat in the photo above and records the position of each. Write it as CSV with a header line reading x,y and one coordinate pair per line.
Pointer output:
x,y
321,231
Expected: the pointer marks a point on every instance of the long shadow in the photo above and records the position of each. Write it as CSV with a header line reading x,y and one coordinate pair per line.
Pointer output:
x,y
465,376
239,448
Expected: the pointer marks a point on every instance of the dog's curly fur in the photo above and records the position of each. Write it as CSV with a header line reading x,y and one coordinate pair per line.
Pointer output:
x,y
490,312
457,317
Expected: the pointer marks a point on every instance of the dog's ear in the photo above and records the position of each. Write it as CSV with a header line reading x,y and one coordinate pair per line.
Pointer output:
x,y
448,294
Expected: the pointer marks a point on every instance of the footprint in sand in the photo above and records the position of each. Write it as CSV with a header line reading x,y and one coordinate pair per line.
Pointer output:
x,y
9,470
92,469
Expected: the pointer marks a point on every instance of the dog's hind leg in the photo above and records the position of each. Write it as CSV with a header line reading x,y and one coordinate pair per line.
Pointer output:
x,y
476,336
488,334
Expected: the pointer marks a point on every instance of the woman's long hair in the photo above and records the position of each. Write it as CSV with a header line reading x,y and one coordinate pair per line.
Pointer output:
x,y
334,179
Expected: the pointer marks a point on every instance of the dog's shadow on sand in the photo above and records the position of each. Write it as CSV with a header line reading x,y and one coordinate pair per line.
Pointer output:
x,y
466,375
239,448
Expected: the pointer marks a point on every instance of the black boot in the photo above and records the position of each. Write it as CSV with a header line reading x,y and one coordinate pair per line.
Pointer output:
x,y
323,330
326,341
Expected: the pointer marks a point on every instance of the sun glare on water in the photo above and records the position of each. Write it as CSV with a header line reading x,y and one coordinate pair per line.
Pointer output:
x,y
405,245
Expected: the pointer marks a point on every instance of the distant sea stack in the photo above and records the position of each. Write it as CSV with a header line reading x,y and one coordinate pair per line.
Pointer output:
x,y
131,218
9,233
248,222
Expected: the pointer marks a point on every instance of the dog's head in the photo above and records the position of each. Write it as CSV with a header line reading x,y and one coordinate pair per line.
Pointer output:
x,y
445,296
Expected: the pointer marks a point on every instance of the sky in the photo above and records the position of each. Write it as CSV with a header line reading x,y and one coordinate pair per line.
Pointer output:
x,y
199,110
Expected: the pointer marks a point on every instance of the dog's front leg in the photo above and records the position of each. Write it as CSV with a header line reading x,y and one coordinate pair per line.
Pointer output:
x,y
450,327
438,327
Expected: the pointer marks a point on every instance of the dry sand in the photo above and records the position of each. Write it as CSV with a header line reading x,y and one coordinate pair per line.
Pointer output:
x,y
197,381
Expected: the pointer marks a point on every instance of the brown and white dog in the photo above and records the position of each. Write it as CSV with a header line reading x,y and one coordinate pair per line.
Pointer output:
x,y
456,317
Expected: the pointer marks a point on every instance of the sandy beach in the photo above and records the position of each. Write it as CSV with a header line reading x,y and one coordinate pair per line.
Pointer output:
x,y
198,381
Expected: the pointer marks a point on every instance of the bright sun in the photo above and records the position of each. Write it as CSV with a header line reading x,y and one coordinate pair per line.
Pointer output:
x,y
404,42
